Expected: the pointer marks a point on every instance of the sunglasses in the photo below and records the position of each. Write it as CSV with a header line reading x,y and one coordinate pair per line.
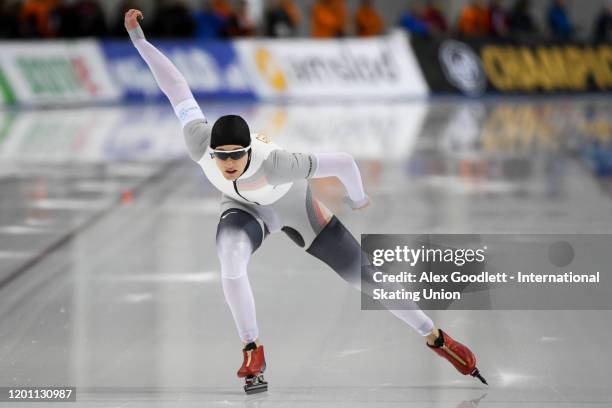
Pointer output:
x,y
230,154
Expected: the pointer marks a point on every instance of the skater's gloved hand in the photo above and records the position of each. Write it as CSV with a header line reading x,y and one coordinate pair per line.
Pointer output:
x,y
357,205
131,19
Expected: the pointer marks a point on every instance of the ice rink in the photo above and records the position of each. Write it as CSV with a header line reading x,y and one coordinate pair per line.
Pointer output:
x,y
109,279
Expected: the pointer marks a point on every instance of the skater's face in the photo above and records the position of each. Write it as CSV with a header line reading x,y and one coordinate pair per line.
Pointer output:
x,y
231,168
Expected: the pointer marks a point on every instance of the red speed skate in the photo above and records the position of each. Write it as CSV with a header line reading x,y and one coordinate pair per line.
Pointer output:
x,y
253,366
457,354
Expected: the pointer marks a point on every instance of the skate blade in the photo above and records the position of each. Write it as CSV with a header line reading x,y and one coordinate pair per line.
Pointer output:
x,y
256,388
476,374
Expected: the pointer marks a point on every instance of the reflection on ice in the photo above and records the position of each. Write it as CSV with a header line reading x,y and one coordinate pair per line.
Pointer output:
x,y
131,310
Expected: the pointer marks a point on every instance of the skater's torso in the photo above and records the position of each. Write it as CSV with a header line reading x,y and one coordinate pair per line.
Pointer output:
x,y
269,175
274,186
252,187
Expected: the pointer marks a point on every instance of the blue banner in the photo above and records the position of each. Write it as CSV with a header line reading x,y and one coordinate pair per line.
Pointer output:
x,y
211,68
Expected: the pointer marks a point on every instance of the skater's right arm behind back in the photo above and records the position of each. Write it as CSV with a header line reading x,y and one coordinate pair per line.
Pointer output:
x,y
172,83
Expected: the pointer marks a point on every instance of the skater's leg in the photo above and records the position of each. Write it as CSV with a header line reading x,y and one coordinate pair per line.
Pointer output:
x,y
239,234
336,246
324,236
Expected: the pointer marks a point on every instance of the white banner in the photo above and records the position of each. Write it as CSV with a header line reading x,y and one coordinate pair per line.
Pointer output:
x,y
381,67
52,73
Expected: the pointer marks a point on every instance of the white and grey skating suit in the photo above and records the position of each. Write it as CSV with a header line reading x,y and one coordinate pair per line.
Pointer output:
x,y
274,187
272,195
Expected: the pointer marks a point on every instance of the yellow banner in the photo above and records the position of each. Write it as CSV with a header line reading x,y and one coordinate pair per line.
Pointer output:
x,y
548,67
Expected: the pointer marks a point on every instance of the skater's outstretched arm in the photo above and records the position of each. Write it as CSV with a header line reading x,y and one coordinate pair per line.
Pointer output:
x,y
343,166
283,167
174,86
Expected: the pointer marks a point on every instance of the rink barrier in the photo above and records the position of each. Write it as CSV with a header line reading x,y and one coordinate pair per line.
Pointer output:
x,y
211,68
87,72
311,69
479,67
55,73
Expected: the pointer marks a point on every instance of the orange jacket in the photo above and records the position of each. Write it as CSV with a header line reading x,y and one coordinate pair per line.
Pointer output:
x,y
292,11
368,22
325,21
222,8
474,21
39,11
339,7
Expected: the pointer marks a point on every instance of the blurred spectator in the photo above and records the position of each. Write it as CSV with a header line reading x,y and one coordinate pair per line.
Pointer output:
x,y
521,22
498,19
89,20
474,20
293,11
603,25
209,23
367,20
217,18
222,8
9,19
434,18
241,24
326,22
39,18
118,25
341,11
558,21
282,18
173,19
413,20
67,21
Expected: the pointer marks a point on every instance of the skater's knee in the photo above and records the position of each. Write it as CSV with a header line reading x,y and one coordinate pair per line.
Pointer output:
x,y
234,257
337,247
233,264
233,247
239,226
233,272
